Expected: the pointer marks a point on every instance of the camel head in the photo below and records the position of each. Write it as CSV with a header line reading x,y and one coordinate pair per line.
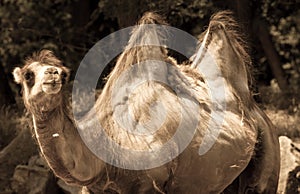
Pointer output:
x,y
42,79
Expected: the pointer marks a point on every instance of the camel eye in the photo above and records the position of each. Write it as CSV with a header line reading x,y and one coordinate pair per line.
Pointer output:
x,y
28,75
64,74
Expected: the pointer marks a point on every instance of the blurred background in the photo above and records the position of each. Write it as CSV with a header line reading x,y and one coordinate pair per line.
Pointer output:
x,y
71,27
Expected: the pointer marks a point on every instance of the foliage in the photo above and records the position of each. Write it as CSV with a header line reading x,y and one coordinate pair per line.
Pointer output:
x,y
28,26
11,123
190,15
284,20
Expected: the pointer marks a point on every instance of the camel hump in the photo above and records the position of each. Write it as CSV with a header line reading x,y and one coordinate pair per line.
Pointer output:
x,y
223,17
147,41
225,20
151,30
223,42
234,49
152,18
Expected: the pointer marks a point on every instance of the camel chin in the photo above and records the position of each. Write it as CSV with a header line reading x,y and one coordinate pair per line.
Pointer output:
x,y
51,88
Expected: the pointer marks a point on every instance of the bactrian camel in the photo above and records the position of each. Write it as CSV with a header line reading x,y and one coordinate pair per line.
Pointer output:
x,y
243,159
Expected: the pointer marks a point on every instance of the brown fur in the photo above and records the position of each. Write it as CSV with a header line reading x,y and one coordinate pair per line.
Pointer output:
x,y
264,166
52,118
44,57
223,26
225,167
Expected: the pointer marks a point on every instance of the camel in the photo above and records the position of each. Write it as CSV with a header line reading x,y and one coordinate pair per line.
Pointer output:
x,y
243,158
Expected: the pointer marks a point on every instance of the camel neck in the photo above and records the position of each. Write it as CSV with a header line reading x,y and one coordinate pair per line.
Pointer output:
x,y
58,138
44,118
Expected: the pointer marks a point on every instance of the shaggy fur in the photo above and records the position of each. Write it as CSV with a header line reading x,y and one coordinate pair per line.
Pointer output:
x,y
243,158
235,65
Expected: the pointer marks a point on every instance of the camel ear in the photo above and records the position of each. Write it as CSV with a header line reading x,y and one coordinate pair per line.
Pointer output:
x,y
17,75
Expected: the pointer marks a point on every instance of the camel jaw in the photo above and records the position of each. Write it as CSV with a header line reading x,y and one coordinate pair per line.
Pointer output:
x,y
51,87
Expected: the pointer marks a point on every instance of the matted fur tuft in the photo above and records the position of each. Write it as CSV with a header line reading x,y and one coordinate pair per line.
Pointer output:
x,y
44,56
224,20
152,18
142,45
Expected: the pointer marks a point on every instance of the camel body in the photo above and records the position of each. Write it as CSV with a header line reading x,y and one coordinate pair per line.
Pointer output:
x,y
244,156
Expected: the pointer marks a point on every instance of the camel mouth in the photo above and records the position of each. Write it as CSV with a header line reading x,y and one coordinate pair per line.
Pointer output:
x,y
51,87
53,83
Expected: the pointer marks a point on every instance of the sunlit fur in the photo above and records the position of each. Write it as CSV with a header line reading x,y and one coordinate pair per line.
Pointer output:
x,y
226,43
38,84
52,120
243,158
